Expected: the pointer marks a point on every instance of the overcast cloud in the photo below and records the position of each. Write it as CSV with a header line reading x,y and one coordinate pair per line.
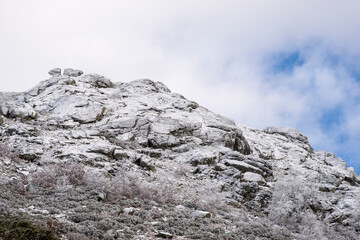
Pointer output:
x,y
261,63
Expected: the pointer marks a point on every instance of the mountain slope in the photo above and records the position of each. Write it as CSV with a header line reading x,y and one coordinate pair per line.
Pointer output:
x,y
95,159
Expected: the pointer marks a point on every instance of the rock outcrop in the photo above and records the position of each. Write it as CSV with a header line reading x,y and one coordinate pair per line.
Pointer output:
x,y
77,136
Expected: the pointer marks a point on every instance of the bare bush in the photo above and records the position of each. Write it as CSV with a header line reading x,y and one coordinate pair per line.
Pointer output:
x,y
157,188
19,185
132,185
60,176
214,201
7,152
181,171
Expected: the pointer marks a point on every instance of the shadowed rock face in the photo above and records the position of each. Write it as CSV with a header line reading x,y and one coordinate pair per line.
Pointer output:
x,y
142,127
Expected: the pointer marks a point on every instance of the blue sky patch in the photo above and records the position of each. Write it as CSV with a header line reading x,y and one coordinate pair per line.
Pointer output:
x,y
331,118
287,62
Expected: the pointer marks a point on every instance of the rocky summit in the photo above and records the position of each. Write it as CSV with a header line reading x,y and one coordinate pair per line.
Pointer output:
x,y
83,157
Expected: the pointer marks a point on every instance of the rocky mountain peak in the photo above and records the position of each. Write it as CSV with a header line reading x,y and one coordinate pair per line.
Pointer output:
x,y
196,164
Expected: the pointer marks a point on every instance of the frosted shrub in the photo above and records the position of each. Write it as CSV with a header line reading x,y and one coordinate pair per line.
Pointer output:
x,y
292,206
290,201
209,199
60,176
130,185
7,152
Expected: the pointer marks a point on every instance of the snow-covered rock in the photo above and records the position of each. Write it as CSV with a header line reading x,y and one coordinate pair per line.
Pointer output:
x,y
253,177
55,72
200,214
72,72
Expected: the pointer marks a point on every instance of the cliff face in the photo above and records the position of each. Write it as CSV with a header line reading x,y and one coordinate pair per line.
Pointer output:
x,y
102,160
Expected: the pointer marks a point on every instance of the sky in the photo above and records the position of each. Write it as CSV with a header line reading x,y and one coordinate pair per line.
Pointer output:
x,y
259,62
